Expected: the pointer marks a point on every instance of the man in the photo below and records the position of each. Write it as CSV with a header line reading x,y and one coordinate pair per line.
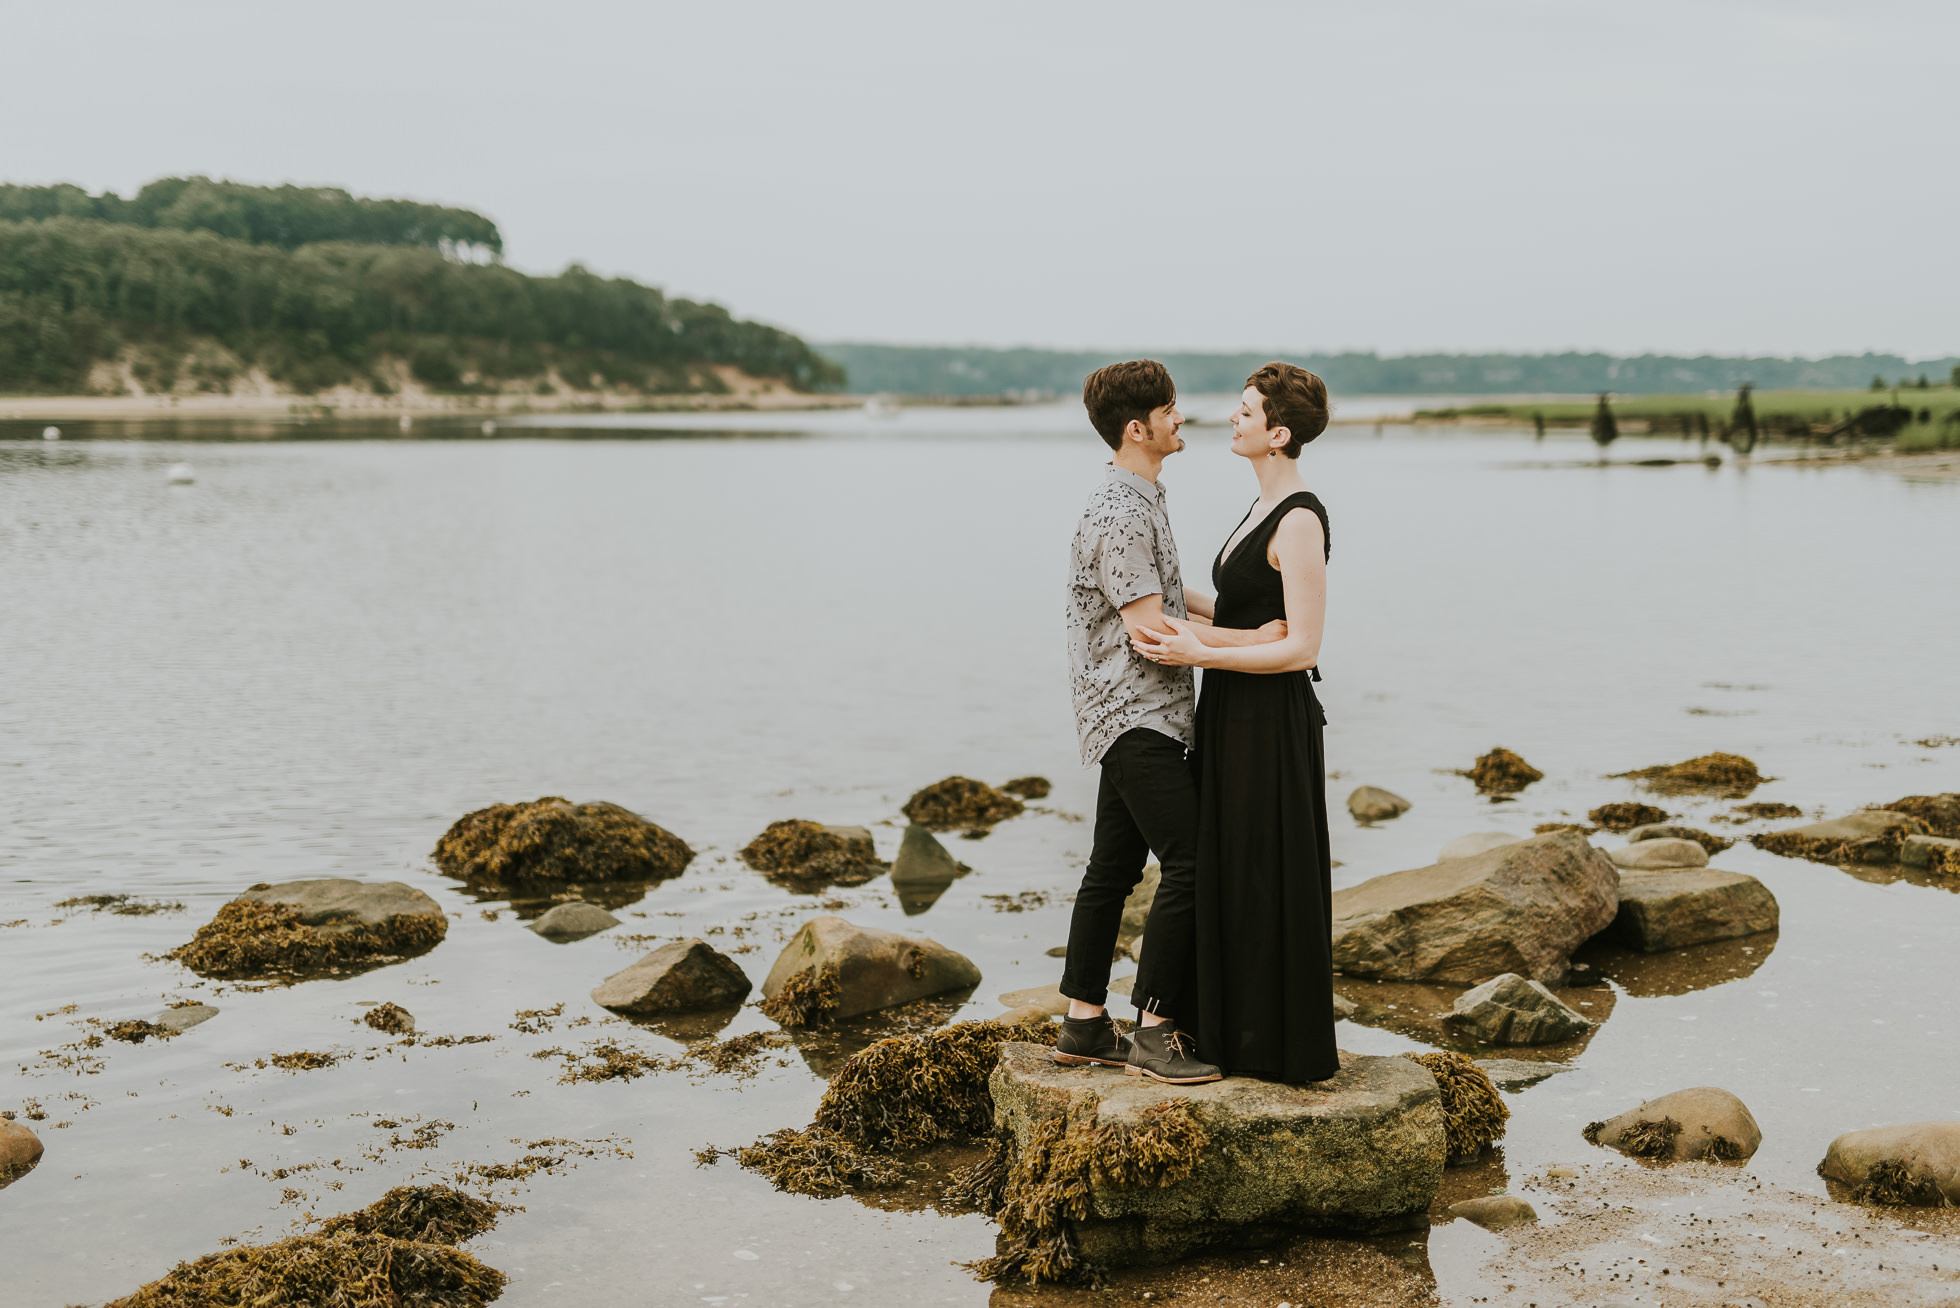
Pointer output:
x,y
1134,718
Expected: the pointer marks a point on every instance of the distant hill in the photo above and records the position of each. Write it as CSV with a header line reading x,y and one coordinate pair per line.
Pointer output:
x,y
974,370
203,286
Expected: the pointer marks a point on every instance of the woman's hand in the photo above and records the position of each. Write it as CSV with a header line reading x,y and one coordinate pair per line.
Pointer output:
x,y
1176,648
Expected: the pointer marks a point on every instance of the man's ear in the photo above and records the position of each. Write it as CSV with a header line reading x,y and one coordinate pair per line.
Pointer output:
x,y
1134,431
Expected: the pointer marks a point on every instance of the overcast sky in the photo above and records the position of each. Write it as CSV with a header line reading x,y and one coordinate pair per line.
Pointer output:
x,y
1677,177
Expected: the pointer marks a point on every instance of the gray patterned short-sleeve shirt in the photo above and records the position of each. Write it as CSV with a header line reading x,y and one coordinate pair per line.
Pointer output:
x,y
1123,551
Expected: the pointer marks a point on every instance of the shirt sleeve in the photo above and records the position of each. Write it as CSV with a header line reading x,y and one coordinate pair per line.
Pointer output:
x,y
1126,560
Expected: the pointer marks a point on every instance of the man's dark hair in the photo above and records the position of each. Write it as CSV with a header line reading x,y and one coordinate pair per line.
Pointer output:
x,y
1122,391
1295,399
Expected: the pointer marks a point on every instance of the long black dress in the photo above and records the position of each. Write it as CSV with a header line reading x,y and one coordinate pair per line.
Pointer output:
x,y
1265,953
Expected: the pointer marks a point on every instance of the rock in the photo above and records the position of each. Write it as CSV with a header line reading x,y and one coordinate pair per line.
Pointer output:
x,y
1502,772
391,1018
1344,1008
1361,1151
1728,775
808,856
1713,844
1934,853
1028,787
1510,1010
179,1020
1650,855
1373,804
873,969
1051,1001
321,926
1518,1074
1136,912
1495,1212
1925,1158
553,839
1522,908
1702,1124
1477,842
1690,906
20,1150
1625,816
1870,836
923,869
1026,1013
960,802
1940,813
574,920
677,977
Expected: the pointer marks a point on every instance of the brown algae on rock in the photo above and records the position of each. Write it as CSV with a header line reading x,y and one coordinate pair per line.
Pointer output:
x,y
553,839
1761,812
1028,787
1500,772
1474,1113
257,938
346,1270
428,1214
136,1030
1728,775
1940,813
806,999
1892,1183
1625,816
304,1060
122,905
961,803
807,855
391,1018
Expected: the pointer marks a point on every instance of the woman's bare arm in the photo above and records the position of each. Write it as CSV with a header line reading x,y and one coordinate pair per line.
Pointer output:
x,y
1145,618
1300,550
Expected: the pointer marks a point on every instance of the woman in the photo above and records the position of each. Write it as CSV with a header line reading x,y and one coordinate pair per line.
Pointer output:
x,y
1264,953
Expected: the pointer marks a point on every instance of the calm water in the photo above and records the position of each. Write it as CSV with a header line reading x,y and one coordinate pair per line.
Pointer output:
x,y
312,660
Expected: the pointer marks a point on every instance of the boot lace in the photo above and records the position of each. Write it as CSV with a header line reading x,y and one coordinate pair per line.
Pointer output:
x,y
1174,1042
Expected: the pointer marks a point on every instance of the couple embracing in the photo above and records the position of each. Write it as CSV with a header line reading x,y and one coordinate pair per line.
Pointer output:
x,y
1235,975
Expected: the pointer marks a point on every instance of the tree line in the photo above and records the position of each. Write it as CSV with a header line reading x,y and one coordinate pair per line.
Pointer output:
x,y
78,290
285,216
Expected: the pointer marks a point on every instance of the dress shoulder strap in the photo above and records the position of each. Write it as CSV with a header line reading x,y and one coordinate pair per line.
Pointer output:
x,y
1301,500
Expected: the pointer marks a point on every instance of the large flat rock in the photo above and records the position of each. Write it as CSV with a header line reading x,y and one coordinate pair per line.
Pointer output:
x,y
873,969
1690,906
1929,1151
1520,908
331,903
1871,835
1362,1151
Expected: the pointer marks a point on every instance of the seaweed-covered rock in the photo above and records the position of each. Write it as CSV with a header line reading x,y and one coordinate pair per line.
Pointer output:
x,y
179,1018
680,976
961,803
808,856
20,1150
1730,776
861,969
555,840
1705,1124
429,1214
1872,835
573,920
1477,842
1373,804
923,869
391,1018
1625,816
1916,1164
1933,853
1940,813
1653,855
325,926
1501,772
1028,787
1762,811
1690,906
1710,843
347,1270
1473,1112
1511,1010
1523,908
1495,1212
1113,1170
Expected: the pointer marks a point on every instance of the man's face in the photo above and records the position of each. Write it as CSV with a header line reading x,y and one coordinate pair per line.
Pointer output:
x,y
1160,434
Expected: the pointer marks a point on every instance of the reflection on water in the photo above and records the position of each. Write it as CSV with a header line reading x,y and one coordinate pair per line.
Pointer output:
x,y
1678,971
318,656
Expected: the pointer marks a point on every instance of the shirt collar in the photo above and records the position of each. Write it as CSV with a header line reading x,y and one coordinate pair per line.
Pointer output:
x,y
1150,490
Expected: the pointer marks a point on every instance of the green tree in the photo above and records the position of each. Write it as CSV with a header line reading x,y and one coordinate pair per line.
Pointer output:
x,y
1605,430
1878,382
1742,423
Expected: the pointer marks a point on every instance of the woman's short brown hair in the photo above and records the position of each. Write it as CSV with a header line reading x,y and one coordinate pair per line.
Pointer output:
x,y
1295,399
1124,391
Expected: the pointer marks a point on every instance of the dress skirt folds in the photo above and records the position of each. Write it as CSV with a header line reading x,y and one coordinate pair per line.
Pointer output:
x,y
1264,950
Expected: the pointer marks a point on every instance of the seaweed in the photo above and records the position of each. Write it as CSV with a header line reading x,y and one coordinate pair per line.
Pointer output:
x,y
1053,1182
1501,772
737,1055
1709,841
1940,813
605,1060
814,1161
1881,848
809,856
1762,811
1729,775
346,1270
983,1185
552,839
1625,816
251,938
961,802
428,1214
1544,827
123,905
1645,1139
136,1030
304,1060
807,998
1474,1112
1028,787
1892,1183
391,1018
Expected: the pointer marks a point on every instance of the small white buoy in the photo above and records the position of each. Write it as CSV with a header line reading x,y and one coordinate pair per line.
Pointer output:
x,y
50,433
182,474
489,428
407,422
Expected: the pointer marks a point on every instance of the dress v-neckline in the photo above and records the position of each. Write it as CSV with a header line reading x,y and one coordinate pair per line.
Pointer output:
x,y
1233,546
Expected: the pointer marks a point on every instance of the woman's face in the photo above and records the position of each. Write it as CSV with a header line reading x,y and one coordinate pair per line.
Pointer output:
x,y
1250,437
